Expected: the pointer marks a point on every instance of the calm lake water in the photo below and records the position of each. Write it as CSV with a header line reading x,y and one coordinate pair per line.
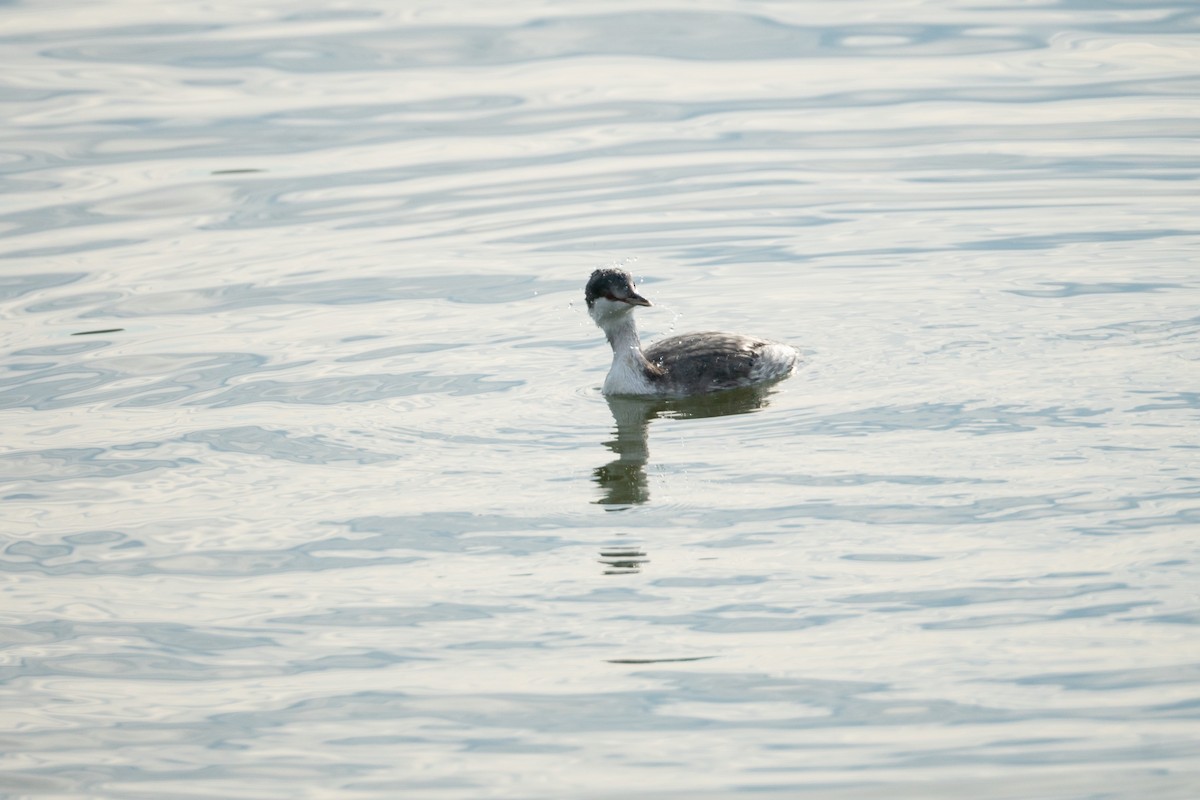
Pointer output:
x,y
308,488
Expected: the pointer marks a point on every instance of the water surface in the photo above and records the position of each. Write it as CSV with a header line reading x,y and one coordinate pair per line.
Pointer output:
x,y
309,489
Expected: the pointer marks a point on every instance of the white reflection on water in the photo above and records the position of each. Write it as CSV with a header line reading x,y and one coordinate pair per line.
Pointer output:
x,y
307,486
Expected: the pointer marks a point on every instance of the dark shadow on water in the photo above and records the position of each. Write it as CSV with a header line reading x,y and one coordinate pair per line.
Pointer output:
x,y
623,480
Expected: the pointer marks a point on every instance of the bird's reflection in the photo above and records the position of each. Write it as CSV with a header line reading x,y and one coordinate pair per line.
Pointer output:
x,y
622,560
623,480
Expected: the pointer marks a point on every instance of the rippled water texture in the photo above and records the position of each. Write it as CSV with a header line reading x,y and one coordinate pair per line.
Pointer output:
x,y
308,489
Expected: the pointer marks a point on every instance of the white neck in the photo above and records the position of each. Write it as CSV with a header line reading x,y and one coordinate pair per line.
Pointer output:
x,y
627,375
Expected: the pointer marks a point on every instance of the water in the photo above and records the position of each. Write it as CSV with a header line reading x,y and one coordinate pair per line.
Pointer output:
x,y
333,507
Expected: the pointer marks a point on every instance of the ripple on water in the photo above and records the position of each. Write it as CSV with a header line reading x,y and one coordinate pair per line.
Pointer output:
x,y
327,496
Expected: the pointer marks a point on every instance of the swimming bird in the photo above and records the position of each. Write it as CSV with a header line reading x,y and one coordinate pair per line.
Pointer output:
x,y
693,363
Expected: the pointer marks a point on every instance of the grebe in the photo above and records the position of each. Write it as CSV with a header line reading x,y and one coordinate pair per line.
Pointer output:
x,y
681,365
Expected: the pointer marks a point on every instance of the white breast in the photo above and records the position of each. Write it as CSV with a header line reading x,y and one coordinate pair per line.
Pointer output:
x,y
627,376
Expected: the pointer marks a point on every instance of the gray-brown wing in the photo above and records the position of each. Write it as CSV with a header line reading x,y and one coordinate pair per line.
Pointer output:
x,y
706,360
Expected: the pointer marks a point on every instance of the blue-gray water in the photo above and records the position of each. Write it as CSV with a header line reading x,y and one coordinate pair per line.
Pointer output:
x,y
335,509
